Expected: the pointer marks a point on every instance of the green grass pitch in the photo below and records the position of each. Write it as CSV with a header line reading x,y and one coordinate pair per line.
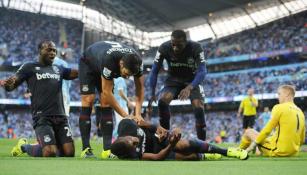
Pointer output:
x,y
25,165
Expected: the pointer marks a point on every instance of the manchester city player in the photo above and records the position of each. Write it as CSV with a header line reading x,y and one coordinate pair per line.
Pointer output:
x,y
186,71
49,119
101,63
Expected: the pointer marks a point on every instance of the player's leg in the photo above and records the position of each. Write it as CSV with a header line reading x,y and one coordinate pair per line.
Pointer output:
x,y
34,150
106,127
197,100
248,137
198,146
167,95
45,136
63,137
87,89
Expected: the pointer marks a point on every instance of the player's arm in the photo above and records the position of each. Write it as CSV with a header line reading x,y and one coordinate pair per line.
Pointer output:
x,y
14,81
153,75
173,140
69,74
108,99
303,130
139,91
240,109
272,123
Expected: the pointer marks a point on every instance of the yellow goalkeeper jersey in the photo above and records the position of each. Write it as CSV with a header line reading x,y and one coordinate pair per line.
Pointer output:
x,y
289,123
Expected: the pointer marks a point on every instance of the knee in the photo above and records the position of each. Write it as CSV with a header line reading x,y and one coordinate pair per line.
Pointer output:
x,y
163,103
49,151
198,104
69,153
87,100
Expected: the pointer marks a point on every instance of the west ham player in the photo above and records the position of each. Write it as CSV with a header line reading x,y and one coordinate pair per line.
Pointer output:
x,y
49,119
287,120
147,142
186,71
103,61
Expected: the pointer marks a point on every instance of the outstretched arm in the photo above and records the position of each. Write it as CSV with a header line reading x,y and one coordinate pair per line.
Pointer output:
x,y
139,91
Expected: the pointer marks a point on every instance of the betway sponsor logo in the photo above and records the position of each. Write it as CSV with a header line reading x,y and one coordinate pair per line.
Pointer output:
x,y
47,76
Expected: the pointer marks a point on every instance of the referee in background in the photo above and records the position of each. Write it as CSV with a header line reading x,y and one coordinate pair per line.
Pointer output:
x,y
248,105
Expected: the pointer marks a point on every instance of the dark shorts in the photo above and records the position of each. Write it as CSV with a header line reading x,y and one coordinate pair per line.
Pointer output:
x,y
196,93
90,79
248,121
52,130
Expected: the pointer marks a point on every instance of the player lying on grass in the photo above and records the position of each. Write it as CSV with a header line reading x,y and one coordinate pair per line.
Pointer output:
x,y
288,120
147,142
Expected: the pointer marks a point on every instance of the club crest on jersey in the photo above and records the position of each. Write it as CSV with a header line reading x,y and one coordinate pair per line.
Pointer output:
x,y
191,61
56,69
85,88
106,72
47,138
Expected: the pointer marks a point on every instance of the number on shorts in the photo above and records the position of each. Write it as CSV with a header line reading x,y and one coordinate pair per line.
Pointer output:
x,y
68,133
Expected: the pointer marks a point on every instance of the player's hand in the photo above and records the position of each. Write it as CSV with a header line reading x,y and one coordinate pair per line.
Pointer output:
x,y
185,93
238,115
175,137
251,147
149,106
2,82
138,119
162,133
130,105
10,81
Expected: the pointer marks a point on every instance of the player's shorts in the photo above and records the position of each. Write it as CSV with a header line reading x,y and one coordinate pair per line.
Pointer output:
x,y
248,121
196,93
90,79
267,148
52,130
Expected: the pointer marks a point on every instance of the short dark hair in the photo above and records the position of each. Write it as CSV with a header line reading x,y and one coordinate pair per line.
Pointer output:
x,y
132,62
40,44
122,150
179,34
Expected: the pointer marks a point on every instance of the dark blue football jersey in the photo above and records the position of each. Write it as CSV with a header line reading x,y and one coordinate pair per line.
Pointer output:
x,y
45,85
104,57
181,68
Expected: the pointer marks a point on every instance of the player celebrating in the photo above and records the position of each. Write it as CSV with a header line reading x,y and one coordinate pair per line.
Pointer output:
x,y
103,61
288,121
151,143
49,119
186,71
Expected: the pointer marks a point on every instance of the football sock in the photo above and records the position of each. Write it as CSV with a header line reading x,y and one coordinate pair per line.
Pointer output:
x,y
32,150
85,126
98,120
244,143
107,126
200,123
164,114
199,146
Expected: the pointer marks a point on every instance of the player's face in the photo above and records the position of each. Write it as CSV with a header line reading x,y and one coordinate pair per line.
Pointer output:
x,y
282,95
178,45
48,53
124,72
250,92
132,141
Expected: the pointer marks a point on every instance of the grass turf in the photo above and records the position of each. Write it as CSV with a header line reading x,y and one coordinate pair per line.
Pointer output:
x,y
25,165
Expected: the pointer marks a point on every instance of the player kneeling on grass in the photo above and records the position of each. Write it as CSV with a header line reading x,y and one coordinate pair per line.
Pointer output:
x,y
147,142
49,119
288,120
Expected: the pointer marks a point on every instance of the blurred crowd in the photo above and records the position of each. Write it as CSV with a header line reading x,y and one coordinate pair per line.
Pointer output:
x,y
21,32
289,32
